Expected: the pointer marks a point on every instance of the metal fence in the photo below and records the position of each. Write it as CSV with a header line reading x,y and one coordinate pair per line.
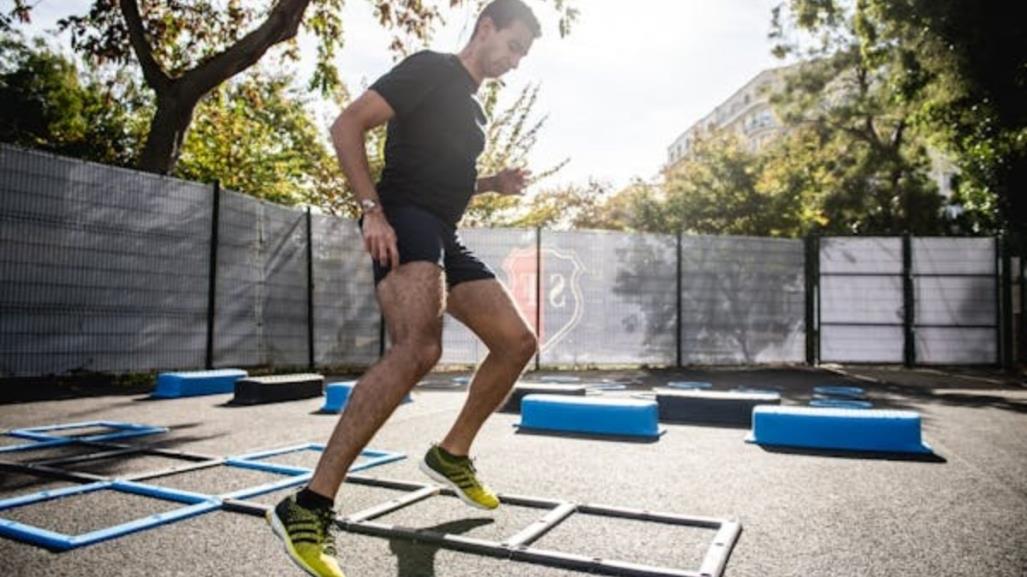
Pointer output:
x,y
112,270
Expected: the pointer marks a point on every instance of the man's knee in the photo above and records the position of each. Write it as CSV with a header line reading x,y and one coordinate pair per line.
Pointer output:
x,y
521,346
422,355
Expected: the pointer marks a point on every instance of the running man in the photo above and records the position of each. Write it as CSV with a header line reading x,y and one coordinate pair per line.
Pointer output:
x,y
436,130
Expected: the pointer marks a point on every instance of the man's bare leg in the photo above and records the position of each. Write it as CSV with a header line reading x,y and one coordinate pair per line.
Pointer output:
x,y
412,299
487,308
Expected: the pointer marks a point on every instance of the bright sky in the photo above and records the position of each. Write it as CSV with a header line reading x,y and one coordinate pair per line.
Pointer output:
x,y
618,90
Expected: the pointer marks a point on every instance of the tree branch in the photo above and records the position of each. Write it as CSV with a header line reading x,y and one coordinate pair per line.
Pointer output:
x,y
281,24
152,70
896,138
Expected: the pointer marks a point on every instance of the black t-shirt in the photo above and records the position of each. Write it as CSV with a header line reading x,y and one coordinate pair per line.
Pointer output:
x,y
435,137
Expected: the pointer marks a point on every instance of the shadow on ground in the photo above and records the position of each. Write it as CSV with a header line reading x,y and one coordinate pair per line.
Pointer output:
x,y
418,559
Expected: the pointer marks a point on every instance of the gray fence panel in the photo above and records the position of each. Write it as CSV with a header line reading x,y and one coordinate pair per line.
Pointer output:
x,y
102,269
105,269
954,256
510,253
955,301
346,316
862,255
861,304
861,300
240,272
284,252
955,346
955,288
608,298
742,300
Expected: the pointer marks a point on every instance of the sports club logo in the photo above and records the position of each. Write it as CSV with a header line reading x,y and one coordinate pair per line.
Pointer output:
x,y
561,290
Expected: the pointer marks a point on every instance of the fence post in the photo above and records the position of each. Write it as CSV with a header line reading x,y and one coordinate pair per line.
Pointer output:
x,y
908,301
812,271
1022,353
1007,302
310,292
680,320
212,274
538,295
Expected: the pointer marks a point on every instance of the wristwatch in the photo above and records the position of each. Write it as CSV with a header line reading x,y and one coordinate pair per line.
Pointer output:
x,y
367,206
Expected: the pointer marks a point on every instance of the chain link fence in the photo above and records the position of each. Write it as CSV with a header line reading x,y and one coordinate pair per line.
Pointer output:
x,y
111,270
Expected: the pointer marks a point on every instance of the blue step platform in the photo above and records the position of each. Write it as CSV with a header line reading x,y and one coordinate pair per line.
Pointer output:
x,y
618,417
562,379
194,383
838,403
689,385
872,430
337,395
841,391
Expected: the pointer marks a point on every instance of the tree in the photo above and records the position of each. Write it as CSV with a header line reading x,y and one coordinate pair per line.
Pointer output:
x,y
50,105
255,136
853,100
187,48
561,208
960,67
509,138
716,190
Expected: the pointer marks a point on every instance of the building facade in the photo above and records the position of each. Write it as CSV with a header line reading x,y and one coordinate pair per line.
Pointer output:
x,y
747,112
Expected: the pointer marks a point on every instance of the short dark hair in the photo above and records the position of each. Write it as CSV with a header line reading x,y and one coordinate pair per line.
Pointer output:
x,y
504,12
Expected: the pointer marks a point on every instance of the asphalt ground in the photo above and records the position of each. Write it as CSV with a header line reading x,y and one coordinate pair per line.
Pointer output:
x,y
802,513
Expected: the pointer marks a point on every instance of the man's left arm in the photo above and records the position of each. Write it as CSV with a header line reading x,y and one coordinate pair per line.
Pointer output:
x,y
510,181
485,184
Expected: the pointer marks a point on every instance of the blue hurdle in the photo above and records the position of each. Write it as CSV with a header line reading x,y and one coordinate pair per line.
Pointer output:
x,y
197,504
123,430
838,403
256,461
689,385
591,415
337,395
869,430
837,391
195,383
33,445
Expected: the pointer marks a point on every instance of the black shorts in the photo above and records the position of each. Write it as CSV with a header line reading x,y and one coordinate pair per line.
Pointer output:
x,y
422,236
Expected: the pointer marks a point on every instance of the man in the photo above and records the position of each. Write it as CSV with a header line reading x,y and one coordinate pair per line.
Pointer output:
x,y
421,268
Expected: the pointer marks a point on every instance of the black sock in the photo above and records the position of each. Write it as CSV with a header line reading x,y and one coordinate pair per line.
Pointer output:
x,y
449,455
311,500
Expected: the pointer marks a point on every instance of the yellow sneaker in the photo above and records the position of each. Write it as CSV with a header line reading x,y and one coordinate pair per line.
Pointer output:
x,y
459,474
308,535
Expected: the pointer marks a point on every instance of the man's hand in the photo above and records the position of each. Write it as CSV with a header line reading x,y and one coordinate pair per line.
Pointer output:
x,y
380,239
511,181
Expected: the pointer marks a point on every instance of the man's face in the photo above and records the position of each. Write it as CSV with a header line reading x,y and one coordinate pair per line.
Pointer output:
x,y
503,49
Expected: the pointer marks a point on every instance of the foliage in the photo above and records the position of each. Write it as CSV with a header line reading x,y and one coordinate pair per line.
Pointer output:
x,y
50,105
717,190
186,49
852,99
957,71
256,136
510,136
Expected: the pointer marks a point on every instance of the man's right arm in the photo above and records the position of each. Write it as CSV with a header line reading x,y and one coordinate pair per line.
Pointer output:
x,y
348,134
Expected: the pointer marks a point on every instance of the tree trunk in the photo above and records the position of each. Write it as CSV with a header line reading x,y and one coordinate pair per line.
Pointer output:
x,y
167,132
177,98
